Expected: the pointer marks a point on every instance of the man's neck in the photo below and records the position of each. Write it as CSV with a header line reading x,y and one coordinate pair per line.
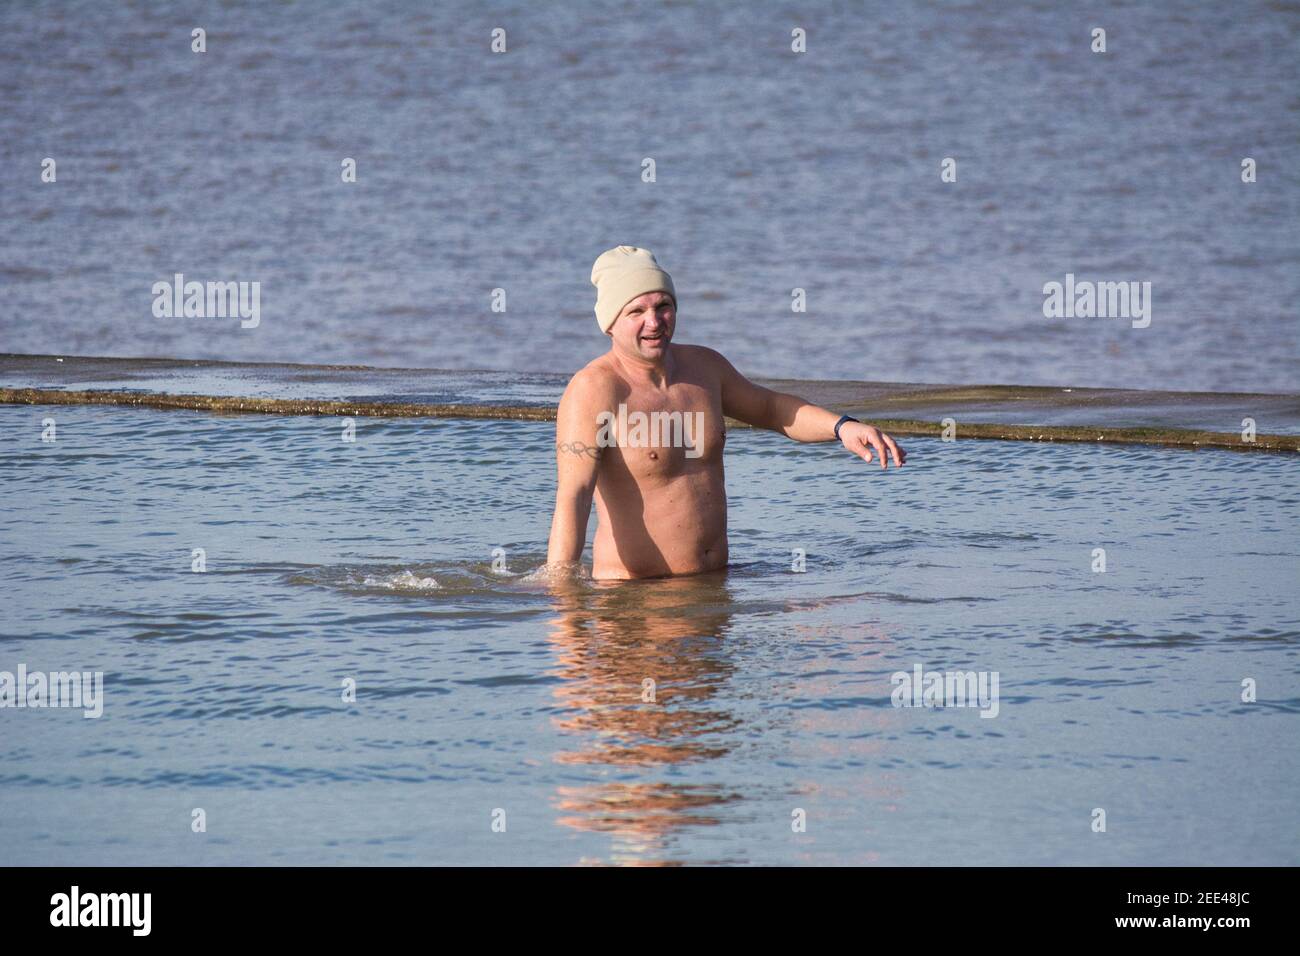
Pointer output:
x,y
656,374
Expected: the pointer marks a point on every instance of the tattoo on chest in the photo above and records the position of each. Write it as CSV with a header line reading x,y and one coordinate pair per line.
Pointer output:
x,y
579,448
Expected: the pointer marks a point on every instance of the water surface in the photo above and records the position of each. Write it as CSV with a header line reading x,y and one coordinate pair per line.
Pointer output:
x,y
482,688
774,171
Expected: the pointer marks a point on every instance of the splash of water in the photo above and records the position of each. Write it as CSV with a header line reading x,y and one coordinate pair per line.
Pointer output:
x,y
403,581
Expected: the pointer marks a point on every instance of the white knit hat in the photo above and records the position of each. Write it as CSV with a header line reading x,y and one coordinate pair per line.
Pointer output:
x,y
620,275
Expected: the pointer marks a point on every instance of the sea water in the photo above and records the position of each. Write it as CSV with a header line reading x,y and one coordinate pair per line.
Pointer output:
x,y
318,651
487,183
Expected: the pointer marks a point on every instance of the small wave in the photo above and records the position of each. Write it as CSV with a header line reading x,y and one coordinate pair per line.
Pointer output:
x,y
449,580
402,581
546,573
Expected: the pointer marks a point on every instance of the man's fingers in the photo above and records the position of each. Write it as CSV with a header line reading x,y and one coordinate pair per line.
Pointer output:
x,y
893,447
879,446
875,442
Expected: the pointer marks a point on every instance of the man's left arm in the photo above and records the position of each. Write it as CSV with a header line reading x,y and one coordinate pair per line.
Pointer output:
x,y
798,418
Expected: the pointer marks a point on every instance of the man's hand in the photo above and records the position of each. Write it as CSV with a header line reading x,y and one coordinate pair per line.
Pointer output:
x,y
861,439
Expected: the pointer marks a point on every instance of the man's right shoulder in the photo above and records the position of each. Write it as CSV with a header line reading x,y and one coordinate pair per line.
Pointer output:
x,y
592,384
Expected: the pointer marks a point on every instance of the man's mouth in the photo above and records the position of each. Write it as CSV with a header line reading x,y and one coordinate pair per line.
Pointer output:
x,y
657,337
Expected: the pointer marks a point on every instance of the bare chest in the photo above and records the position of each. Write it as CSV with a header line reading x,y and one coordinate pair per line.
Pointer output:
x,y
664,433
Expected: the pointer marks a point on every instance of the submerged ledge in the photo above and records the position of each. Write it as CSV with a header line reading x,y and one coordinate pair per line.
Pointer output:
x,y
227,404
1009,412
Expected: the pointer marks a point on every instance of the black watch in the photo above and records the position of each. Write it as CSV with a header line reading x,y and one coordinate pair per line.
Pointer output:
x,y
843,419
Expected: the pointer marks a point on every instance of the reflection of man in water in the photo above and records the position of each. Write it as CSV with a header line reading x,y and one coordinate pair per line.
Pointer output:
x,y
661,506
608,643
698,754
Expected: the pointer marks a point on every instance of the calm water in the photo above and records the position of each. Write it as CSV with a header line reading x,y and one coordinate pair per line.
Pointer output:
x,y
479,171
479,690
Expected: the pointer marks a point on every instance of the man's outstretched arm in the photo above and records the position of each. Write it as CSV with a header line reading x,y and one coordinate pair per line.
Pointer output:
x,y
577,461
798,418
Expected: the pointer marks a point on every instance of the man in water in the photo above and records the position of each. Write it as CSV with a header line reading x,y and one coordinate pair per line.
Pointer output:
x,y
641,428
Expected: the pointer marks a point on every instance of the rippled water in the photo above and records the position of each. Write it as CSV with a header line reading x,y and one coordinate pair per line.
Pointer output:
x,y
481,688
775,171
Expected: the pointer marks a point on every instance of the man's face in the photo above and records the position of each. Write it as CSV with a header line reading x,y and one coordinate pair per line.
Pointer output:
x,y
645,326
